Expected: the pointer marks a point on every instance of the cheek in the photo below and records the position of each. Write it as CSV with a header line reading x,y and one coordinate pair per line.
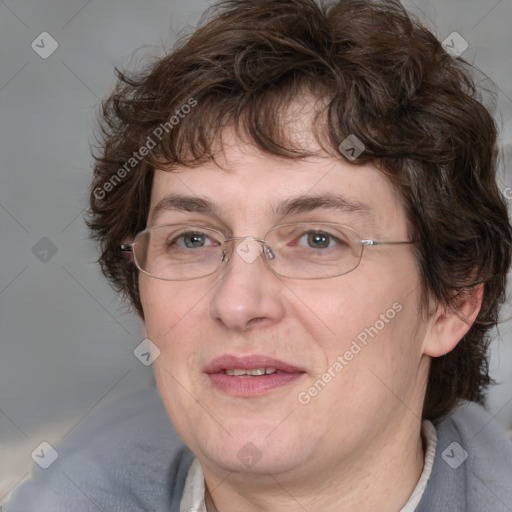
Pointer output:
x,y
342,308
177,322
376,309
172,321
166,305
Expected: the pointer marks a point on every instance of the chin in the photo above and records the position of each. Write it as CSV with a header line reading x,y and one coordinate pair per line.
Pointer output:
x,y
250,448
250,458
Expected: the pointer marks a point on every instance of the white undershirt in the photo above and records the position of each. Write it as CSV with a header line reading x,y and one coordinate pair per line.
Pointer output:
x,y
194,490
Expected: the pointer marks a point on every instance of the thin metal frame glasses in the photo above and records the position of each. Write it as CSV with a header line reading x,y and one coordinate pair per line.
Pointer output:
x,y
298,250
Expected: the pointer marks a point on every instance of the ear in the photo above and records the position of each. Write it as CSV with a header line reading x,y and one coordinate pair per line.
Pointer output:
x,y
449,324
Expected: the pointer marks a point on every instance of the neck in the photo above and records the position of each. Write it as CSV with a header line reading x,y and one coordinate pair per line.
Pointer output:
x,y
378,479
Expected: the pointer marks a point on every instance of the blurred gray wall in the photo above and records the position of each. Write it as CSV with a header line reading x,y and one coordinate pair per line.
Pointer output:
x,y
66,345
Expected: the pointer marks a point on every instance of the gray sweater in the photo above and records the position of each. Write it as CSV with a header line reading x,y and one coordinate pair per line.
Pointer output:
x,y
129,458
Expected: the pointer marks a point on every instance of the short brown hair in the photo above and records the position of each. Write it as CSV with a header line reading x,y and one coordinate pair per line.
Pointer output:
x,y
381,76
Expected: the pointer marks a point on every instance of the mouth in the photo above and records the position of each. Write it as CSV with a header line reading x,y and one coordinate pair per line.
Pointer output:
x,y
250,375
253,372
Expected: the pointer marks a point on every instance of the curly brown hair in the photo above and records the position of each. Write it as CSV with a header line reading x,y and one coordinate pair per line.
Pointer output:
x,y
378,74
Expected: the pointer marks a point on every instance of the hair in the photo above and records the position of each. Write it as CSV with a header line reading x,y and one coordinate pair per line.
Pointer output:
x,y
378,74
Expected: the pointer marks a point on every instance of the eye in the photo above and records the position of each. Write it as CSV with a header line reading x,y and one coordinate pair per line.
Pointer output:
x,y
191,240
319,240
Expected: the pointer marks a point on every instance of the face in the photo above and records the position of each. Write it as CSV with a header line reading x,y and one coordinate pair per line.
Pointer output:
x,y
348,348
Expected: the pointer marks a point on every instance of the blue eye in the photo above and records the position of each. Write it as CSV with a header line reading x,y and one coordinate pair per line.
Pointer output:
x,y
318,240
191,240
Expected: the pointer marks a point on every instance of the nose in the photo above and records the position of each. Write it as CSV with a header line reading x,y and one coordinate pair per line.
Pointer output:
x,y
248,294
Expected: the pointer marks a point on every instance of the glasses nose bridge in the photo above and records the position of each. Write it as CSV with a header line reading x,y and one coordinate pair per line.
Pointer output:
x,y
262,241
226,254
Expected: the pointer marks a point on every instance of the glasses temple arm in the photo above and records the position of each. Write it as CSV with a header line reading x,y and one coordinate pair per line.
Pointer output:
x,y
375,242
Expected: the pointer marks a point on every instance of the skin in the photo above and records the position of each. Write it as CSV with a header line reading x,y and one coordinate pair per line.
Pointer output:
x,y
357,444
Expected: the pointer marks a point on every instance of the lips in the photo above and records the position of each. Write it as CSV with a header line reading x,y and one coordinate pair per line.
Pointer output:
x,y
229,362
250,375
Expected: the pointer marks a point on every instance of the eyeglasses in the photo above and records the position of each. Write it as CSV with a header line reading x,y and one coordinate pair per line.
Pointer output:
x,y
301,250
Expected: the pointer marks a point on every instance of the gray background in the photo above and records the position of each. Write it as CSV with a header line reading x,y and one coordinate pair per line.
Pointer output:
x,y
66,344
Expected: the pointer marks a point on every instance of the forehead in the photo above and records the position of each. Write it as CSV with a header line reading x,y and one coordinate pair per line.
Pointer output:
x,y
245,183
260,189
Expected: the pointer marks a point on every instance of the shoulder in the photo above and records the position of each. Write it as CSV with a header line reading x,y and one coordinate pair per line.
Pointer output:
x,y
473,464
125,457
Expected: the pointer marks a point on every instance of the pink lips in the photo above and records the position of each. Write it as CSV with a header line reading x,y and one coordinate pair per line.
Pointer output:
x,y
248,385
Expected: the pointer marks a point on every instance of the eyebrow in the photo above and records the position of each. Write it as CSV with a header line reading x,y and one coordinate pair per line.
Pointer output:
x,y
307,203
182,203
299,204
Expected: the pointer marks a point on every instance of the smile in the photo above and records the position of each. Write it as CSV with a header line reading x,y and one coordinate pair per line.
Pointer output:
x,y
238,372
250,376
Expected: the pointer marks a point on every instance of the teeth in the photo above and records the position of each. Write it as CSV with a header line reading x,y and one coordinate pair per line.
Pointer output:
x,y
253,372
256,371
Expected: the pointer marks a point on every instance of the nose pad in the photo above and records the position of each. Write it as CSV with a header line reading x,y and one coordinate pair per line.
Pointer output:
x,y
269,253
225,255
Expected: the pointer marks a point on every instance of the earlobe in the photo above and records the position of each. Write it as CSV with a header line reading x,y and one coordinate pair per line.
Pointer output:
x,y
449,324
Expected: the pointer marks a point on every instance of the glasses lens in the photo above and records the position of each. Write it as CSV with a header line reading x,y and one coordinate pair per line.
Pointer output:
x,y
178,252
314,251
